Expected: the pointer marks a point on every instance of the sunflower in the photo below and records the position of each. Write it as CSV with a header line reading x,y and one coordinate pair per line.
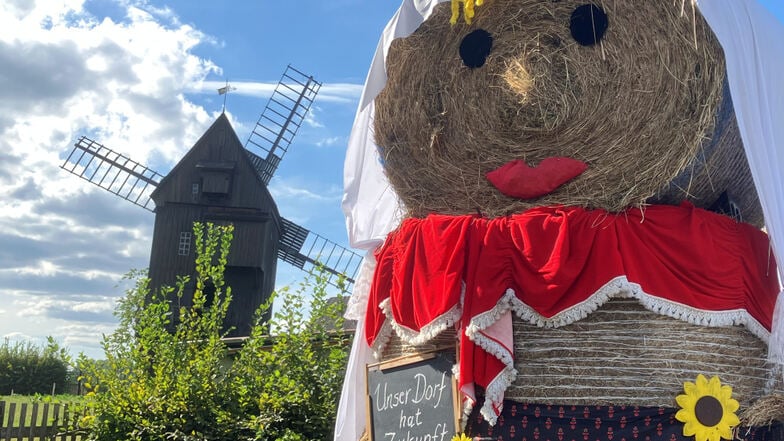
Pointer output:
x,y
461,437
707,410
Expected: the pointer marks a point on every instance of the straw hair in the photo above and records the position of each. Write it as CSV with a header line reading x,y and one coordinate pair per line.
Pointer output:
x,y
766,411
647,109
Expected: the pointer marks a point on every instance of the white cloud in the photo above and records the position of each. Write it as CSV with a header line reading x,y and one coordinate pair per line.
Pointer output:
x,y
87,337
330,141
64,243
346,93
43,268
281,189
341,92
17,336
312,118
127,83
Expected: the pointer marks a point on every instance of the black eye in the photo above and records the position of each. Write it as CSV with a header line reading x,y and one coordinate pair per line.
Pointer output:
x,y
588,24
475,48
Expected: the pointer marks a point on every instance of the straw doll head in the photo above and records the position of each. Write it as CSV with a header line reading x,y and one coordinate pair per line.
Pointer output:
x,y
609,105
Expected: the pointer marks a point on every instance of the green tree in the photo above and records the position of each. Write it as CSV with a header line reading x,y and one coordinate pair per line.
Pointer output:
x,y
166,373
27,368
290,385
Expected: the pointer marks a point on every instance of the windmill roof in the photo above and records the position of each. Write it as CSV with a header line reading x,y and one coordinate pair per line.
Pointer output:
x,y
205,142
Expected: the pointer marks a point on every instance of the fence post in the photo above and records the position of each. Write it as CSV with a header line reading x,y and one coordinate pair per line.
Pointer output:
x,y
9,431
22,420
34,421
45,421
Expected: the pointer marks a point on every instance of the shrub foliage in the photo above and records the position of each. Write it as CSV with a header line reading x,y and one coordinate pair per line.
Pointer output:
x,y
27,368
175,379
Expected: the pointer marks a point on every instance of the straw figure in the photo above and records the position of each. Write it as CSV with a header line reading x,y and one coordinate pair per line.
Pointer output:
x,y
580,218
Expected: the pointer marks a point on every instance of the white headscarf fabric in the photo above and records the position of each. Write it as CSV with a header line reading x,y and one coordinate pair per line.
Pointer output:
x,y
751,38
372,210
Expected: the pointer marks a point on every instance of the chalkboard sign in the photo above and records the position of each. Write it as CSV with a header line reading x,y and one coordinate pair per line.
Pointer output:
x,y
413,398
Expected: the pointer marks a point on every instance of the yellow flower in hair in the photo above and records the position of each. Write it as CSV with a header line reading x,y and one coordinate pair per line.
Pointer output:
x,y
468,9
707,410
461,437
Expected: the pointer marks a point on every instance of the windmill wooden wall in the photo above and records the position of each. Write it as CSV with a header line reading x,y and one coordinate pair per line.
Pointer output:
x,y
215,182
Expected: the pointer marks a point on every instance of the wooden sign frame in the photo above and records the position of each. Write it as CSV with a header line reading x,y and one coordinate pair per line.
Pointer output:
x,y
406,361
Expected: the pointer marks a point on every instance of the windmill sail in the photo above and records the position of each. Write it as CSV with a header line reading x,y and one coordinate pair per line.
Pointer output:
x,y
266,146
278,124
134,182
307,250
113,172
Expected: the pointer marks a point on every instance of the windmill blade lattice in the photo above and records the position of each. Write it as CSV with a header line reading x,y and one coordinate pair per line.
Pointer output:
x,y
267,144
113,172
278,124
308,250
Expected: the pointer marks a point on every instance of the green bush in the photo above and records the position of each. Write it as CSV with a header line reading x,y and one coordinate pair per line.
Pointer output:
x,y
161,384
26,368
291,386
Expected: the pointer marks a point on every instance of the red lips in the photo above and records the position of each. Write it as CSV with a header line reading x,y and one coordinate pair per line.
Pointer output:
x,y
517,179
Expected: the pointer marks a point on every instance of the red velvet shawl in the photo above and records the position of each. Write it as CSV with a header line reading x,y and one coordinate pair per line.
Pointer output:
x,y
553,266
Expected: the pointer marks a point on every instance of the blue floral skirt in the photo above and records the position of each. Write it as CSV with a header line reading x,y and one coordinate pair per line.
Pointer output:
x,y
541,422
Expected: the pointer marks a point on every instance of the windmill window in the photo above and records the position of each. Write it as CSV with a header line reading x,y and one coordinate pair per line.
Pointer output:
x,y
185,244
195,188
216,182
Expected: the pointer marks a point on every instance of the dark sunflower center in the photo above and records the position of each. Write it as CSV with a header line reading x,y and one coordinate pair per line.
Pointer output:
x,y
708,411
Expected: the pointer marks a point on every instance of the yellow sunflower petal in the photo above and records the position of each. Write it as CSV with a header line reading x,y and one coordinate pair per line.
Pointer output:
x,y
725,432
685,415
690,428
701,388
726,392
714,386
686,401
714,435
729,419
731,405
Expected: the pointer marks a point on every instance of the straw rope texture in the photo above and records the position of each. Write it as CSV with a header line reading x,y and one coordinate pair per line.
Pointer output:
x,y
624,354
647,109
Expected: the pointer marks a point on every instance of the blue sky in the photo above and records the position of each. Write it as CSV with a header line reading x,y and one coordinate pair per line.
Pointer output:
x,y
141,77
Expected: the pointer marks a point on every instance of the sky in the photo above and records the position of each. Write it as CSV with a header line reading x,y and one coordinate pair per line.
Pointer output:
x,y
140,76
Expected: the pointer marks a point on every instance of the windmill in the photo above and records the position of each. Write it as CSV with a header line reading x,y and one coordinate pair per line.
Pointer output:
x,y
219,180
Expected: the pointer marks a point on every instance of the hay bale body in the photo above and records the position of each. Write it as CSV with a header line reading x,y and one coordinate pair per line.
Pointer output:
x,y
624,354
647,109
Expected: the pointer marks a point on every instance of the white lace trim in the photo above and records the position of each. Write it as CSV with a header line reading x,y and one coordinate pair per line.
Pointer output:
x,y
494,394
620,287
358,302
411,336
483,321
382,339
468,407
